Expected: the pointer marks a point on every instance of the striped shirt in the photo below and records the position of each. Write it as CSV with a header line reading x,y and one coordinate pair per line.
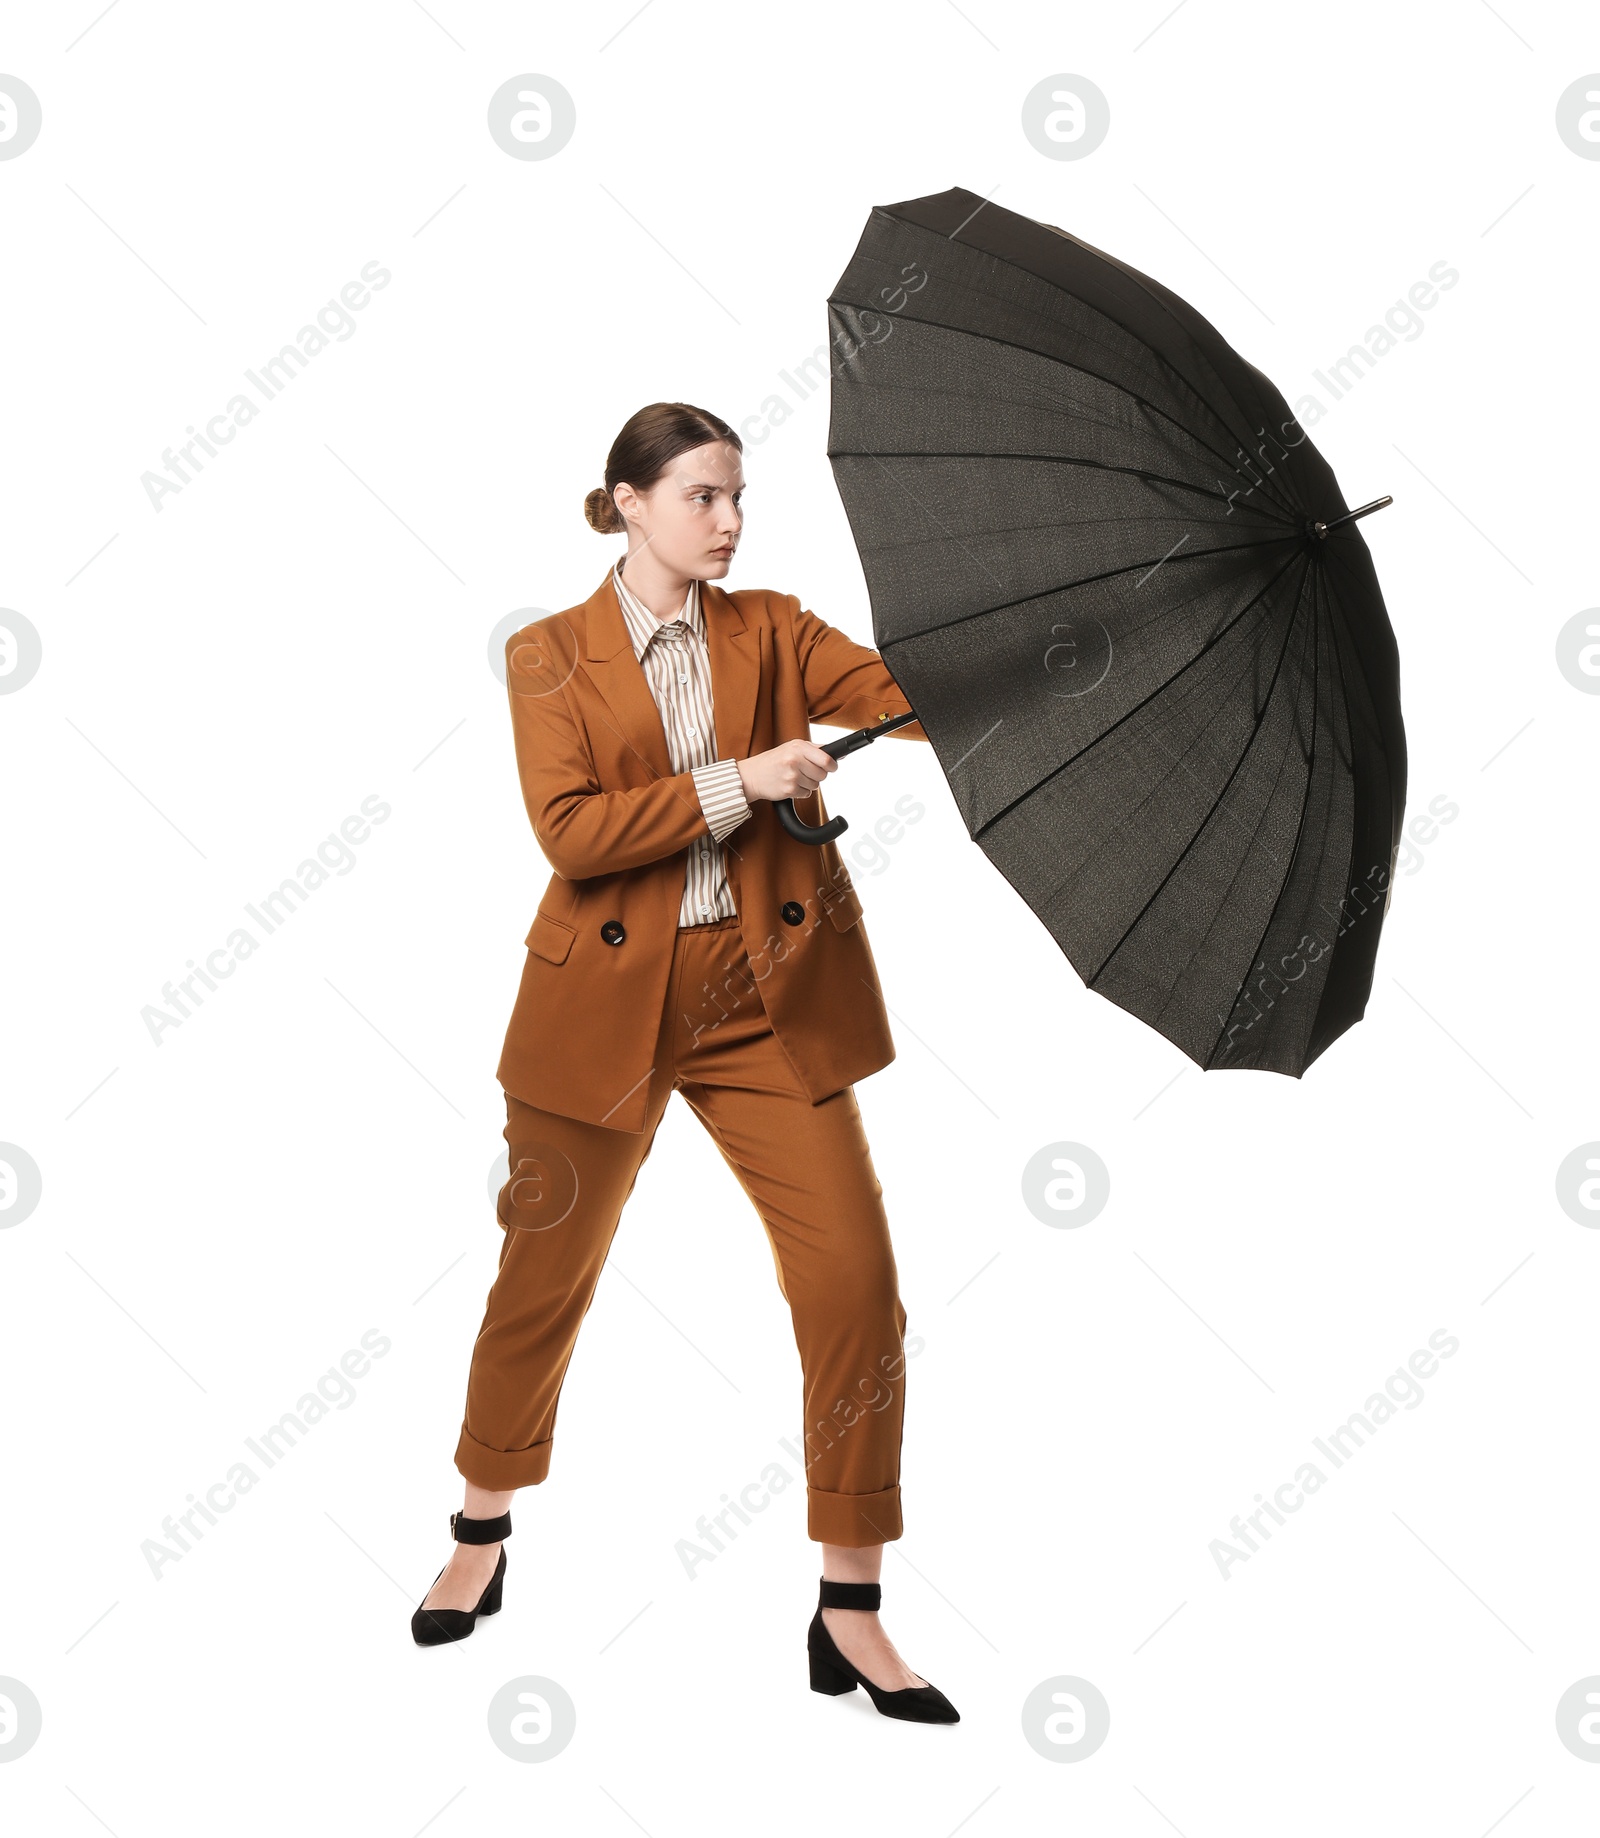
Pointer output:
x,y
677,667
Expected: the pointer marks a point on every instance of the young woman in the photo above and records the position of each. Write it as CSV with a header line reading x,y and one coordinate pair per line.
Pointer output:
x,y
687,943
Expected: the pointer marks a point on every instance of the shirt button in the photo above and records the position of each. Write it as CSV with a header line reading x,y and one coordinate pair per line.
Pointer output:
x,y
705,909
682,678
705,848
694,731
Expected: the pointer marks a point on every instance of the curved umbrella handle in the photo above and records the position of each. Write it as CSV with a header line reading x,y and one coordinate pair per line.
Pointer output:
x,y
802,831
819,833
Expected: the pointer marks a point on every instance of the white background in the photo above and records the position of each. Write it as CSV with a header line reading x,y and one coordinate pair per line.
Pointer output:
x,y
309,1156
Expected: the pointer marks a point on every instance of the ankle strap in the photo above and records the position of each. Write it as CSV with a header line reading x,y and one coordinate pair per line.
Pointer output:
x,y
850,1595
479,1531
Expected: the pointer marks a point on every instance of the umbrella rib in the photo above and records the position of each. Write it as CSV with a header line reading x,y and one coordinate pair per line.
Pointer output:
x,y
1341,625
1050,459
1299,828
1129,713
1219,804
1132,395
1301,817
982,612
1167,303
901,485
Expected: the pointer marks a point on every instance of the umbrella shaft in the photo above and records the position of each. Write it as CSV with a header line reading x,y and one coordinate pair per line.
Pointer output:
x,y
864,737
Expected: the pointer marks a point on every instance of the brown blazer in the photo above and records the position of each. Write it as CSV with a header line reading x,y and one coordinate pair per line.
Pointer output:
x,y
615,822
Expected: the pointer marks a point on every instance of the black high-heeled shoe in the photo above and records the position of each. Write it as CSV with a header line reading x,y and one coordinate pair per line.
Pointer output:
x,y
436,1627
834,1675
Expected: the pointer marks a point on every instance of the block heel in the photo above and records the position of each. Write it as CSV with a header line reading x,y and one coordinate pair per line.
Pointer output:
x,y
829,1679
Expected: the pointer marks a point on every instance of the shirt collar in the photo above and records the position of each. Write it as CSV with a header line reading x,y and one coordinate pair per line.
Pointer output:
x,y
642,624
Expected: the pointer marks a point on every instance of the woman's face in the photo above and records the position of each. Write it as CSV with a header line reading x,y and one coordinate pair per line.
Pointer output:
x,y
690,517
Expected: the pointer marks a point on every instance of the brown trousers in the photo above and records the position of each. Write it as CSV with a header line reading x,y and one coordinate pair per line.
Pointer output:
x,y
808,1171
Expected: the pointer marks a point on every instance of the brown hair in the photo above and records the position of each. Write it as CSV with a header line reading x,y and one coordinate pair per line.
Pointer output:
x,y
646,446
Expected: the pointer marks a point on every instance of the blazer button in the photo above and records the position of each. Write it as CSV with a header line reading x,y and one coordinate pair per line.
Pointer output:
x,y
793,912
613,931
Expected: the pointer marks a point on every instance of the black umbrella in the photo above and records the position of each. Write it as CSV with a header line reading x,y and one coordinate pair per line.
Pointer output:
x,y
1133,614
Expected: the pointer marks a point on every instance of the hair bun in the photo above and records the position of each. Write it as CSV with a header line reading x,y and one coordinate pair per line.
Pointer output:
x,y
600,509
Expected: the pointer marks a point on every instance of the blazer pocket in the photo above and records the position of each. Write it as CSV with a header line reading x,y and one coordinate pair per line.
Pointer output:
x,y
550,938
844,908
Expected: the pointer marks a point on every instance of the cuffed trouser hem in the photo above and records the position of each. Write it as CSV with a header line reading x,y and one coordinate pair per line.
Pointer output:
x,y
853,1518
499,1470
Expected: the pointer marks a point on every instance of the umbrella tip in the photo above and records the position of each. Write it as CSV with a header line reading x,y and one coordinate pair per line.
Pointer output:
x,y
1318,529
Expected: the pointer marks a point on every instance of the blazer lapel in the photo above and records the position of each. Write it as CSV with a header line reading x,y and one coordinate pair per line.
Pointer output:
x,y
619,677
733,646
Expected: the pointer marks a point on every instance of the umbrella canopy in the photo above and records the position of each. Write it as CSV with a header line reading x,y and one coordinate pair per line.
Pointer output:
x,y
1132,612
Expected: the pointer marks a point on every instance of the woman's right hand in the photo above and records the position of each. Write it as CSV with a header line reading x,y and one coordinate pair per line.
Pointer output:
x,y
792,770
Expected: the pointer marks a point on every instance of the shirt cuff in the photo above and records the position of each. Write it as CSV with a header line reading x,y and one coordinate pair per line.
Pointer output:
x,y
722,796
